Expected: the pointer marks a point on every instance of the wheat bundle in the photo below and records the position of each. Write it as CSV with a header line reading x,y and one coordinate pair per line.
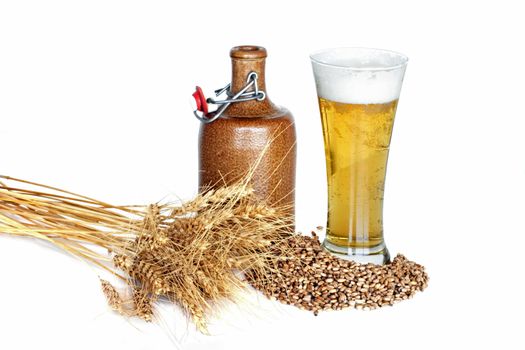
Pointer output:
x,y
190,254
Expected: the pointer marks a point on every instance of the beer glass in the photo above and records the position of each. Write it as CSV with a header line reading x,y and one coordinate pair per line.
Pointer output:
x,y
358,90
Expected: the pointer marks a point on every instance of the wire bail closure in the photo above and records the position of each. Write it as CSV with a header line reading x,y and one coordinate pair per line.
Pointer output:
x,y
201,112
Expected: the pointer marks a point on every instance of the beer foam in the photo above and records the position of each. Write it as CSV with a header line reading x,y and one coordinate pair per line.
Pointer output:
x,y
358,76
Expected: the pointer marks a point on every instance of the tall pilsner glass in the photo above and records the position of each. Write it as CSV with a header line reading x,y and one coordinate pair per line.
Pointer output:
x,y
358,91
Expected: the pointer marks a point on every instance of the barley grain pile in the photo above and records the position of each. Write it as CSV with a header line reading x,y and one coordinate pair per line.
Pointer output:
x,y
315,280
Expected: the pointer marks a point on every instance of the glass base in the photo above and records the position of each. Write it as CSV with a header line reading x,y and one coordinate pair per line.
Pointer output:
x,y
377,255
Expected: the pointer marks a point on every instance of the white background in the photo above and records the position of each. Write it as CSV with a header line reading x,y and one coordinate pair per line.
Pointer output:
x,y
94,98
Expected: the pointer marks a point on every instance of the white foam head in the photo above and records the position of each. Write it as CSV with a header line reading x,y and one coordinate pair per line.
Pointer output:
x,y
358,75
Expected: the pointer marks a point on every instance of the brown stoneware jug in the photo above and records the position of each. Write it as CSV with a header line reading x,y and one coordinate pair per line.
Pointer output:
x,y
231,144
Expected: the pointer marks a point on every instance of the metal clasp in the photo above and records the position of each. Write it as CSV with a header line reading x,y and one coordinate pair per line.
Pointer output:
x,y
201,112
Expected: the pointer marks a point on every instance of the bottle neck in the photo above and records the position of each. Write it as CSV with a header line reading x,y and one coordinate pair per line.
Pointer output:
x,y
241,68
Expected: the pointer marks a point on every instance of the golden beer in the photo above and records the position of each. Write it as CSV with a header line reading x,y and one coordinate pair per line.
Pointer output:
x,y
357,140
358,91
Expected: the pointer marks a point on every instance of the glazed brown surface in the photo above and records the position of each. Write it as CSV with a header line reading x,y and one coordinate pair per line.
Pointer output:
x,y
232,144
